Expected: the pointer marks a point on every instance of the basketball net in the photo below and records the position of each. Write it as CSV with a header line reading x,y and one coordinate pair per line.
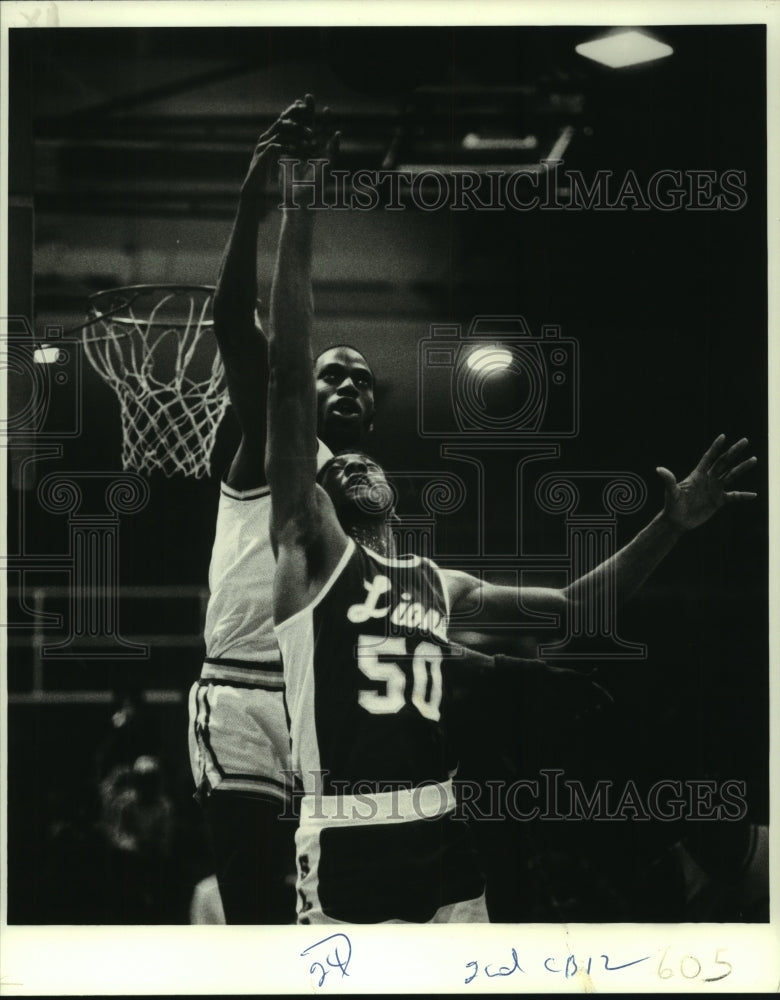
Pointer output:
x,y
147,342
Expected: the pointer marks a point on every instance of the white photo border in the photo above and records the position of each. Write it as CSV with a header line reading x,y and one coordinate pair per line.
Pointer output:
x,y
236,960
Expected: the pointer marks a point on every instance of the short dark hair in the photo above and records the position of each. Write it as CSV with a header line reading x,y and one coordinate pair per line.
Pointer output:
x,y
344,347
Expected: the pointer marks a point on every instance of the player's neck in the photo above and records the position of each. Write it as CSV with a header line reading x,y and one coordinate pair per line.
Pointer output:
x,y
377,537
345,441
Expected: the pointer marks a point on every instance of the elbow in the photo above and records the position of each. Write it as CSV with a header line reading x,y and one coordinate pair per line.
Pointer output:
x,y
562,604
567,601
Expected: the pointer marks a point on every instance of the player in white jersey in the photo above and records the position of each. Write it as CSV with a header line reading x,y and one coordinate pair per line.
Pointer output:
x,y
364,645
238,731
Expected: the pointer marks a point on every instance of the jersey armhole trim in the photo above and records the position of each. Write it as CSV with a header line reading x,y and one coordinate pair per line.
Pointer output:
x,y
395,562
443,584
324,590
324,454
251,494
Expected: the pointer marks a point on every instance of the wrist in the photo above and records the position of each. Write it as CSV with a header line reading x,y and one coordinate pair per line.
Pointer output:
x,y
250,198
669,524
299,220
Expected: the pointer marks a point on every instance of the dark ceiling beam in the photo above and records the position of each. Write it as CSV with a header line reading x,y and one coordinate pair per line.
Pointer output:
x,y
172,89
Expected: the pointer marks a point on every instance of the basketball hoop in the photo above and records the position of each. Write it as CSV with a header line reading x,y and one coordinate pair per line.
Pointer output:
x,y
147,343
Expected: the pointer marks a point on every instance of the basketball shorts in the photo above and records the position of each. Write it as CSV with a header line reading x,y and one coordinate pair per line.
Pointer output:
x,y
392,857
239,739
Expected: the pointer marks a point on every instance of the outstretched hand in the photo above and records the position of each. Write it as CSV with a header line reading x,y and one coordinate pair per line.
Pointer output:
x,y
695,499
304,132
304,135
298,133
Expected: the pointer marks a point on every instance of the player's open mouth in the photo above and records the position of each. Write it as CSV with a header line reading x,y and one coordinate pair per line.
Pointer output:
x,y
346,408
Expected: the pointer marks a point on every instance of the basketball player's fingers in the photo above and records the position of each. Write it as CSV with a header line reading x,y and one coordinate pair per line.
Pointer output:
x,y
276,139
290,127
739,469
271,130
296,112
709,456
722,464
332,146
668,478
267,153
732,474
284,124
300,110
326,122
323,129
739,495
296,141
324,125
262,148
300,139
298,148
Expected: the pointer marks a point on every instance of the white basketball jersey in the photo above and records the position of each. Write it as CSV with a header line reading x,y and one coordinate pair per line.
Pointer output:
x,y
239,616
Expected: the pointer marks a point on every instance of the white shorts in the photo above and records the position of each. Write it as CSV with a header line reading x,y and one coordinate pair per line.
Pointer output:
x,y
239,739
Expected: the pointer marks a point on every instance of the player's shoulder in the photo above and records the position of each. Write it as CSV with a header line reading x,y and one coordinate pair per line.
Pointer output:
x,y
311,526
457,584
306,576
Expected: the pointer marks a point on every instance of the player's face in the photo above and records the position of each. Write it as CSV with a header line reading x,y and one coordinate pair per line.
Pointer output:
x,y
345,397
357,486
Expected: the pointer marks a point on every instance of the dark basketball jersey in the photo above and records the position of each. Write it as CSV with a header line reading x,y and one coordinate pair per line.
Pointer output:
x,y
363,675
368,720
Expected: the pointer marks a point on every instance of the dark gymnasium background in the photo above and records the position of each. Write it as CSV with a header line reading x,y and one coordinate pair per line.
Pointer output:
x,y
127,149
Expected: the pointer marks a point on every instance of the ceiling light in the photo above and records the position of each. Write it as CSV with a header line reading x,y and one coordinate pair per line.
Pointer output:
x,y
495,143
489,359
626,48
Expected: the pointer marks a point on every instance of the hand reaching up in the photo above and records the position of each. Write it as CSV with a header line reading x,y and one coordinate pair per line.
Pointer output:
x,y
299,133
695,499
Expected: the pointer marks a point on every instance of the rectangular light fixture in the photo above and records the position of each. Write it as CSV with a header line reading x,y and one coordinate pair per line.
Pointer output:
x,y
46,355
625,48
495,144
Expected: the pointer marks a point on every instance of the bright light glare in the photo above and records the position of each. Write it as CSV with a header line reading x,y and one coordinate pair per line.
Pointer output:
x,y
497,143
489,359
624,49
45,355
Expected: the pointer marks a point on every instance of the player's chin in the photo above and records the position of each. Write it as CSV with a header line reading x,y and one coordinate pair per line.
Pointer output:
x,y
372,499
344,429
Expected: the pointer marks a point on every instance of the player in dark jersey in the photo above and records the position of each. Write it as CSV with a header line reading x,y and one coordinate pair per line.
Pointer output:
x,y
364,644
239,738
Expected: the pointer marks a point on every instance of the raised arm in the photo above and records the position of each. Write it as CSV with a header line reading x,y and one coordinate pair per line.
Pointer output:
x,y
687,504
291,458
304,529
241,340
